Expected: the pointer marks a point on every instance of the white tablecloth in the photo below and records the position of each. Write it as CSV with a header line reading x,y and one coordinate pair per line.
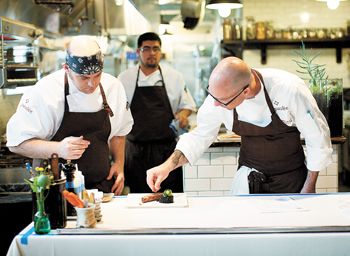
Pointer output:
x,y
241,225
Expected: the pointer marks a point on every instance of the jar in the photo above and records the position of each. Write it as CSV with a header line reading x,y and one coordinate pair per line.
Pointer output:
x,y
269,30
295,34
287,34
260,30
304,33
339,33
227,29
250,28
278,33
321,33
312,33
237,31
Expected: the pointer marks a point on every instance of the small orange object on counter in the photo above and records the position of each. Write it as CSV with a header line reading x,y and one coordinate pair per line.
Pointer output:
x,y
73,199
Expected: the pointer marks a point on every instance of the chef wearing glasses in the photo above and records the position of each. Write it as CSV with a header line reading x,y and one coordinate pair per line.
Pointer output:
x,y
269,109
157,96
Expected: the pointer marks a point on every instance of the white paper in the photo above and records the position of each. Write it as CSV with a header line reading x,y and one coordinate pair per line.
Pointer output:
x,y
277,204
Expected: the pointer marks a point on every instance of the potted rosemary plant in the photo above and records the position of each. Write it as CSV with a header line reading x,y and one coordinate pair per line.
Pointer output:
x,y
327,92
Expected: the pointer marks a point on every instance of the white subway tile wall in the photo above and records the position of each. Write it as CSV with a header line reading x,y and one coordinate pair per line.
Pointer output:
x,y
216,178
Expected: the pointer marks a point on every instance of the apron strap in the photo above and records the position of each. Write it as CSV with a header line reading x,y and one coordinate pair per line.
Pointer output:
x,y
104,99
105,103
66,92
267,97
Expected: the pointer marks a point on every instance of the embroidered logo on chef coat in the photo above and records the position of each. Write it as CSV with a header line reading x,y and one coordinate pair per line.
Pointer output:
x,y
282,108
26,107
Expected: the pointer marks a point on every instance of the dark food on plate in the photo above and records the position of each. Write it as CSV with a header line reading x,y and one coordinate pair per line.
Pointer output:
x,y
151,197
167,197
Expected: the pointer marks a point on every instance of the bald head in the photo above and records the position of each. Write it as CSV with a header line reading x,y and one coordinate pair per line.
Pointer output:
x,y
83,46
231,72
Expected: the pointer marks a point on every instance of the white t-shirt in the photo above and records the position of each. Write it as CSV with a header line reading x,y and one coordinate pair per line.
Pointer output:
x,y
179,96
40,111
294,104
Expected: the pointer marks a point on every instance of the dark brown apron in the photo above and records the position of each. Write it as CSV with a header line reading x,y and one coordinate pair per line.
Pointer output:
x,y
151,140
274,150
96,128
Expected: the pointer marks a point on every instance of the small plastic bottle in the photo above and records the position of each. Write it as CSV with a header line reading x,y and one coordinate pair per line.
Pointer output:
x,y
79,186
69,172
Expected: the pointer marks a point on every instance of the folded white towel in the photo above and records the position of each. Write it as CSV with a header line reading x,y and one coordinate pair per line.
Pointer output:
x,y
240,184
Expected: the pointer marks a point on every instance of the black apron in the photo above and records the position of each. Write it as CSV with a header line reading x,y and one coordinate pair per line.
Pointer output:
x,y
96,128
274,150
151,140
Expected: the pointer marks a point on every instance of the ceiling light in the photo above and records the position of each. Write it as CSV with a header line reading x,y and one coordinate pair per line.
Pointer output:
x,y
224,6
224,12
332,4
219,4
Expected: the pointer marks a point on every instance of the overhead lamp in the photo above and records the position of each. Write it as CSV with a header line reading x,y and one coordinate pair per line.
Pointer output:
x,y
332,4
224,6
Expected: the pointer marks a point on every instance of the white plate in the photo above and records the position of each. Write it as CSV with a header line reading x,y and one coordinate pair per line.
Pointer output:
x,y
134,201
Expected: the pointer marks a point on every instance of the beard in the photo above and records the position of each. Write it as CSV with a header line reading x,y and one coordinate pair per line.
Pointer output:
x,y
150,64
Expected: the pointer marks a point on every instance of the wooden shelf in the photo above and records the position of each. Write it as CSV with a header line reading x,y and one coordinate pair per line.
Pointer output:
x,y
236,47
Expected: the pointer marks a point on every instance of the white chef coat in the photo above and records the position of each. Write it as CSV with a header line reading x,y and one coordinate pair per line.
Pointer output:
x,y
294,104
40,111
179,96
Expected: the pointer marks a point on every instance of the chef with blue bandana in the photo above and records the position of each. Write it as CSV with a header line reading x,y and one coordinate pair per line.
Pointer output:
x,y
78,112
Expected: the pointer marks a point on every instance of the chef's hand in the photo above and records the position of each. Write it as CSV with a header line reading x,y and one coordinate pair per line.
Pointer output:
x,y
310,183
183,120
156,175
118,173
72,147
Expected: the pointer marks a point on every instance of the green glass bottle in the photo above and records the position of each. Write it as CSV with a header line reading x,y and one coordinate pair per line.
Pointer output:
x,y
41,219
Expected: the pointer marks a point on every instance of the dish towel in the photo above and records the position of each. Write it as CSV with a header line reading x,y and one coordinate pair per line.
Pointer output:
x,y
240,184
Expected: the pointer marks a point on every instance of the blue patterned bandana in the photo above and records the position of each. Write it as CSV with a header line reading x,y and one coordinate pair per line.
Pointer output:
x,y
85,65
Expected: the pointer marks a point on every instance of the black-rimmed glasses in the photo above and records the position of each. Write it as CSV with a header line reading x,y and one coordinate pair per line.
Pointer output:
x,y
229,102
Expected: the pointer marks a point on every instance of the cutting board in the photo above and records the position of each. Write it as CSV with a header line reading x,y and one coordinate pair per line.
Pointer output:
x,y
134,201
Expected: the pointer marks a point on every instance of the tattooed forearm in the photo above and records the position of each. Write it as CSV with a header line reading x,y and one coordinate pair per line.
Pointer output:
x,y
178,158
175,158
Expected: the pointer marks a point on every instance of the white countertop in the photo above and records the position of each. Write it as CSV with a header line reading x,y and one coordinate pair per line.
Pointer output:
x,y
278,225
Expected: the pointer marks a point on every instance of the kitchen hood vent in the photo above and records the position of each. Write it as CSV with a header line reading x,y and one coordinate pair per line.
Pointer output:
x,y
192,11
62,6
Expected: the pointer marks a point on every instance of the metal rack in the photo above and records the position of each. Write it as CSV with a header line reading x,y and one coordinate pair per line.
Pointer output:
x,y
19,57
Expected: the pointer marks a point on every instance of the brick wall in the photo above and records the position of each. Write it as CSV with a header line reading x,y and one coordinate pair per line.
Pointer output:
x,y
213,173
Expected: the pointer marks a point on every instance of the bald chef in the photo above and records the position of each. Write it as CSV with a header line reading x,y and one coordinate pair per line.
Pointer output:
x,y
78,112
269,109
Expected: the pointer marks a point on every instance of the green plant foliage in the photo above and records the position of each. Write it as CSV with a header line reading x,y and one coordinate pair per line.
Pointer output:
x,y
316,72
319,83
